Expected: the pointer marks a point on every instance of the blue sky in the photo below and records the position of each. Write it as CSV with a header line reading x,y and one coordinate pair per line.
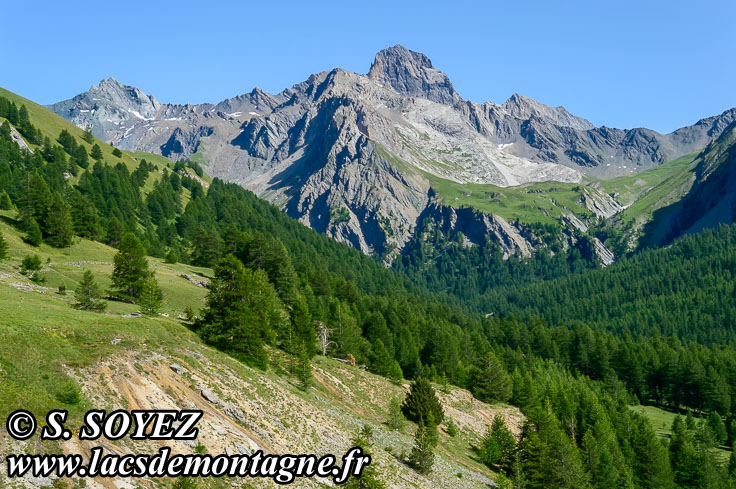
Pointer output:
x,y
618,63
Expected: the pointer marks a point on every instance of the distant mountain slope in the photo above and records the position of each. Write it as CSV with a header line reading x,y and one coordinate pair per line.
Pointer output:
x,y
354,156
712,198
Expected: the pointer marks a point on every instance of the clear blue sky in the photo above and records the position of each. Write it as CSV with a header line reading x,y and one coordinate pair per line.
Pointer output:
x,y
660,64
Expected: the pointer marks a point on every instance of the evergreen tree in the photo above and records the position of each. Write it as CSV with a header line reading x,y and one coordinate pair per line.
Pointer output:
x,y
59,227
491,381
88,136
31,267
422,402
117,153
87,294
242,312
303,368
383,364
206,247
717,428
498,446
395,416
96,153
421,457
551,459
114,233
33,233
85,217
368,478
5,203
603,458
130,267
3,248
650,462
151,297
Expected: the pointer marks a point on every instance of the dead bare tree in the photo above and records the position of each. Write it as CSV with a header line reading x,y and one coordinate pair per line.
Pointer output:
x,y
323,333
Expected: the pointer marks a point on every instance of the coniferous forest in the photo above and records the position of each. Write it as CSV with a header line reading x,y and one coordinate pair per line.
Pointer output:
x,y
573,345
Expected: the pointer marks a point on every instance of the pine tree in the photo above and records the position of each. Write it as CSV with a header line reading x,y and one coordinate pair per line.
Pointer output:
x,y
117,153
33,233
603,458
31,267
491,381
114,233
130,267
3,248
242,312
551,459
59,227
96,153
303,368
87,294
395,416
368,478
498,446
88,136
151,296
5,203
422,402
421,457
650,462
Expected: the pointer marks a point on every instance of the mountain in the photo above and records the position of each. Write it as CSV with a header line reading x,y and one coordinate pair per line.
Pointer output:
x,y
361,157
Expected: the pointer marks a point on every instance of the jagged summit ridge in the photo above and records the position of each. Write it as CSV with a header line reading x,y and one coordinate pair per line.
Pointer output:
x,y
412,74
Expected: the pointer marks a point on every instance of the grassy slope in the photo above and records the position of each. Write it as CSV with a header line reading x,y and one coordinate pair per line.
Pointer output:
x,y
38,329
645,192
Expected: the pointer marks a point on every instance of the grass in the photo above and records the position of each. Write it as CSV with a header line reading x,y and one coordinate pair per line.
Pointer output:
x,y
41,334
645,192
542,203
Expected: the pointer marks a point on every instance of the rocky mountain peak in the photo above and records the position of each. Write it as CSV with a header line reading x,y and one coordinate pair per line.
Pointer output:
x,y
411,73
127,97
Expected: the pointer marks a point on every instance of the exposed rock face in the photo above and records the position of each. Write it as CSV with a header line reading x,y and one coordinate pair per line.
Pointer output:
x,y
412,74
349,154
18,139
514,239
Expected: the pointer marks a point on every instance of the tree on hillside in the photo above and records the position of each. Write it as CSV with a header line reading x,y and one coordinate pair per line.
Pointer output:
x,y
117,153
3,248
87,294
498,446
5,203
206,247
96,152
491,381
31,267
130,267
114,232
422,402
368,478
35,199
242,312
551,458
33,233
151,296
59,227
88,136
421,457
